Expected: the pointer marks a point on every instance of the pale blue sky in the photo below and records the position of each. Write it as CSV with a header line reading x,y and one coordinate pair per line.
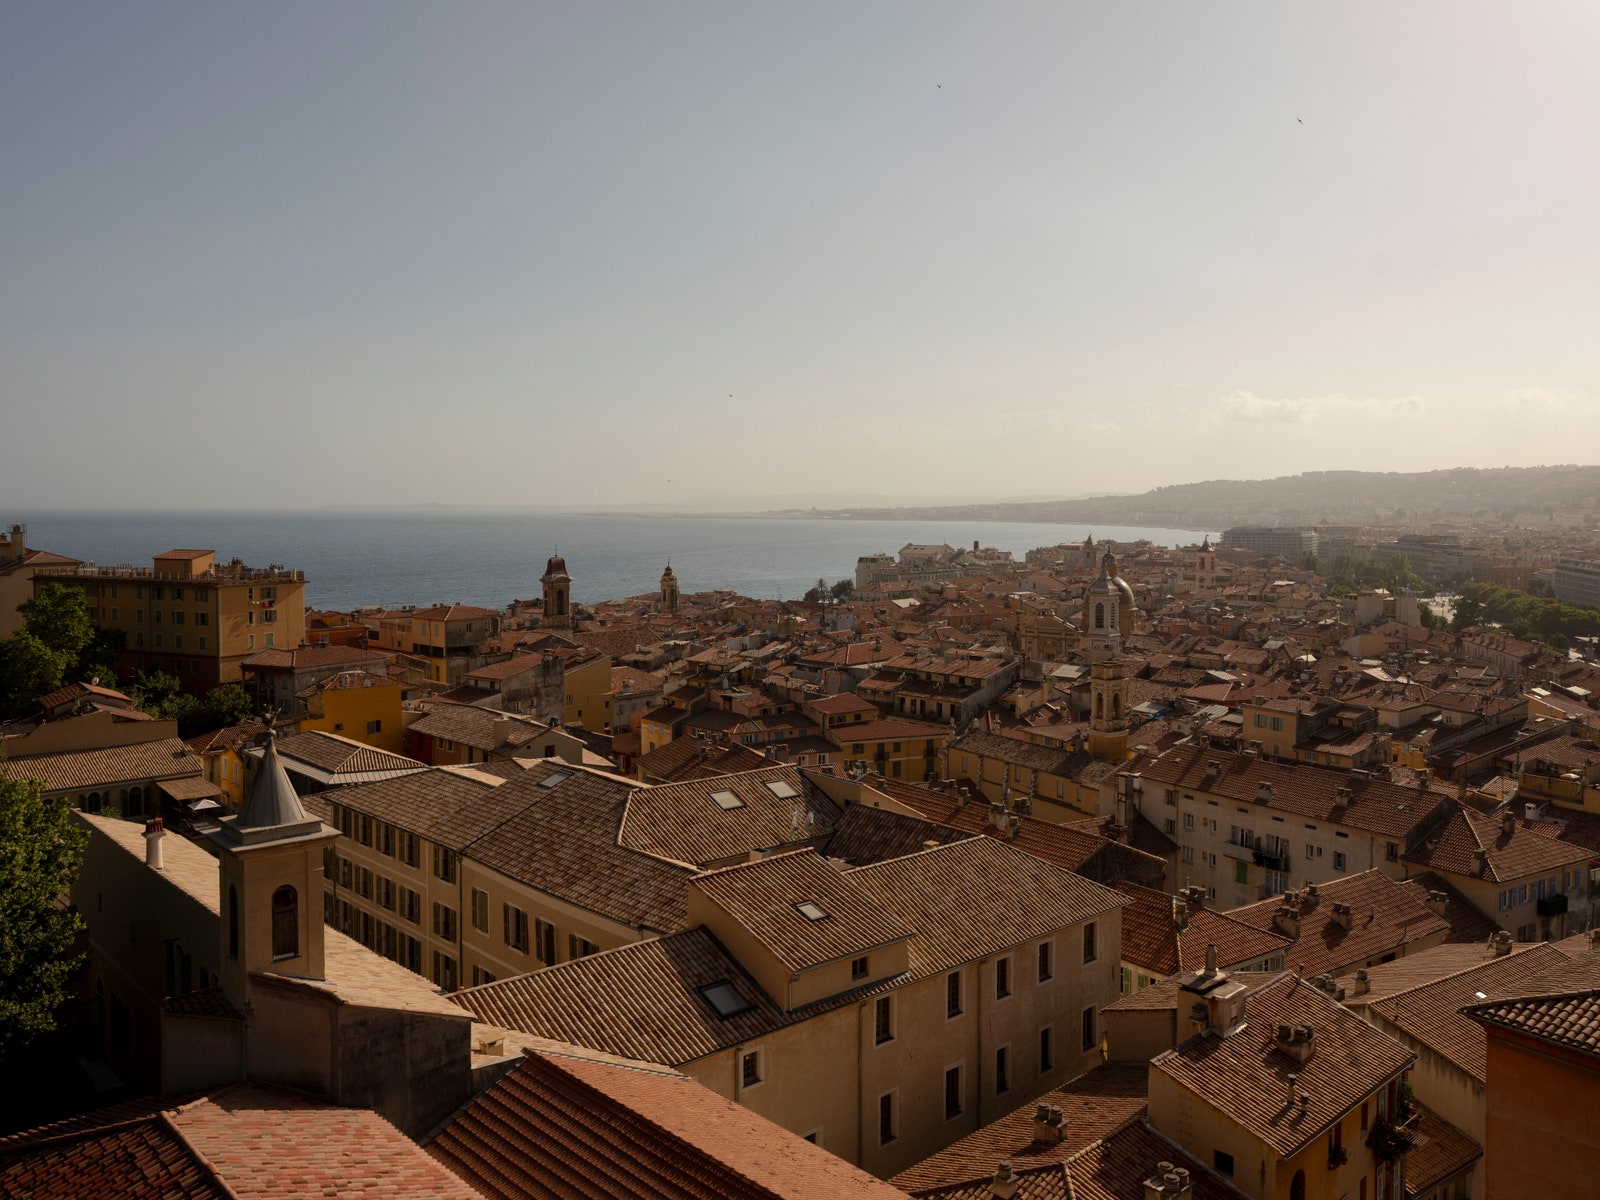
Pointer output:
x,y
511,253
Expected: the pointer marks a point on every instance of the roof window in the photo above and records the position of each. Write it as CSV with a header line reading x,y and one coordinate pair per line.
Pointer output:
x,y
555,777
725,999
726,799
811,910
781,789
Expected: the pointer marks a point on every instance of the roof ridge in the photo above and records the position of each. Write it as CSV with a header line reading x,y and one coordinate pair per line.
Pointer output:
x,y
206,1165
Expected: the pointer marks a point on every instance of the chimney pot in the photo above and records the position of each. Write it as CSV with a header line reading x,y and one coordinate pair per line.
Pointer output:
x,y
154,830
1004,1184
1211,959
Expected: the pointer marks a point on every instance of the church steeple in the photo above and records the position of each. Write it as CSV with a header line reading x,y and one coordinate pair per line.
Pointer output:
x,y
669,590
557,593
270,871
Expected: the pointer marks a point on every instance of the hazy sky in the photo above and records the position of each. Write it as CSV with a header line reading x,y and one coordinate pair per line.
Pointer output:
x,y
298,254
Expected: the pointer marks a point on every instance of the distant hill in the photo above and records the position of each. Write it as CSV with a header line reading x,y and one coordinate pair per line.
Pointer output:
x,y
1340,497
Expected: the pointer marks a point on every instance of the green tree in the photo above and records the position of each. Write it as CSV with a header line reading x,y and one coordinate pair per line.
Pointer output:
x,y
844,589
58,618
226,704
1468,612
28,669
1429,618
41,849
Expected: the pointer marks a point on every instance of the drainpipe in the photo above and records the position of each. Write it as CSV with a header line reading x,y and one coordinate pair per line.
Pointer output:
x,y
862,1108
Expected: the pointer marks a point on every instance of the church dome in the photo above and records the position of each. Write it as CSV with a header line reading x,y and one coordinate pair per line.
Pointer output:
x,y
1108,582
555,566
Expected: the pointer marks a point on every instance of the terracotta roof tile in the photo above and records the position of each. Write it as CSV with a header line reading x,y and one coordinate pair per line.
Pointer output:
x,y
690,822
1439,1152
80,770
1245,1075
1093,1105
1507,857
1152,940
563,1124
762,897
974,897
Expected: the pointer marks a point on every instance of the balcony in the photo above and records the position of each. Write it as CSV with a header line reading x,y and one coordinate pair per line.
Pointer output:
x,y
1278,861
1552,906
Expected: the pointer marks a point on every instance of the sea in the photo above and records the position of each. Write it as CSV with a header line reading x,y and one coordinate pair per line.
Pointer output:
x,y
491,557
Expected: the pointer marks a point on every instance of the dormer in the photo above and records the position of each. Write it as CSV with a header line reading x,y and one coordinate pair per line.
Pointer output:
x,y
801,930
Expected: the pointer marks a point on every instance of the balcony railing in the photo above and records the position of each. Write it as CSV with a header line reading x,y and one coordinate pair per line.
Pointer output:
x,y
1552,906
1275,861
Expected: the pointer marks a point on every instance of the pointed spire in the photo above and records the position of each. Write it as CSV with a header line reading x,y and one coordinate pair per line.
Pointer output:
x,y
273,810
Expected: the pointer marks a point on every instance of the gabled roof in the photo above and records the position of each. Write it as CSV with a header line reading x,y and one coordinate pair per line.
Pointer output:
x,y
81,770
334,759
1093,1105
1508,857
710,820
568,1124
1385,916
1244,1076
242,1141
1430,1014
763,897
1562,1006
975,897
1151,938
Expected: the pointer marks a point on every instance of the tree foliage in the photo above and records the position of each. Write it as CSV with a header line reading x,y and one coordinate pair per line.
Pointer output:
x,y
1524,615
1352,572
57,644
161,695
41,849
822,593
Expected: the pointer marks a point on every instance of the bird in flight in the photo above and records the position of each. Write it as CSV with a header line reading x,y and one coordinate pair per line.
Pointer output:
x,y
1298,119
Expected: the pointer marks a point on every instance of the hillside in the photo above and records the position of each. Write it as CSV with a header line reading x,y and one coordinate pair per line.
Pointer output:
x,y
1335,496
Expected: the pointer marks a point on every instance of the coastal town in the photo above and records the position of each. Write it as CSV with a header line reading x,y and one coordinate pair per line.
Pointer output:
x,y
1265,866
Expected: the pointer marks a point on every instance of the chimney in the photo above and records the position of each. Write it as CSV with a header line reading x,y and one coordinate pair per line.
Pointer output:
x,y
1292,1078
1180,914
1508,823
1594,937
1264,794
1287,921
1004,1184
1530,812
930,844
1311,895
1168,1183
1500,943
502,731
1480,861
1211,958
1049,1126
1343,916
1363,982
154,831
1439,902
1299,1042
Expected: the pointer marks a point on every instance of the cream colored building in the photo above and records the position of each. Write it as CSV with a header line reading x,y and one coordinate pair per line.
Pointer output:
x,y
866,1010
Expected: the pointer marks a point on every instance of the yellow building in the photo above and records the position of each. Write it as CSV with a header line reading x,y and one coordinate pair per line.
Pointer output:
x,y
588,694
359,705
449,638
188,616
895,749
864,1010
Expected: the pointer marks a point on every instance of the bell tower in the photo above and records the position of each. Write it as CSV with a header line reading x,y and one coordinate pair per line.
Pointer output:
x,y
1108,612
271,873
557,594
1108,713
1205,567
669,590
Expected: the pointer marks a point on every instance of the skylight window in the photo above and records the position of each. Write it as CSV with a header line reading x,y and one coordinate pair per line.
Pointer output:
x,y
811,910
782,790
727,800
555,777
725,999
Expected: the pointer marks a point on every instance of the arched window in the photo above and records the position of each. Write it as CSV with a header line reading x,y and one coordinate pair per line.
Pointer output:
x,y
1297,1186
285,923
1099,707
135,802
233,922
1099,616
561,604
91,802
1116,704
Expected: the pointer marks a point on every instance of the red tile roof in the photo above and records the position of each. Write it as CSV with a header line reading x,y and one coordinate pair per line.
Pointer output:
x,y
1093,1105
1245,1075
564,1125
1151,938
242,1141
